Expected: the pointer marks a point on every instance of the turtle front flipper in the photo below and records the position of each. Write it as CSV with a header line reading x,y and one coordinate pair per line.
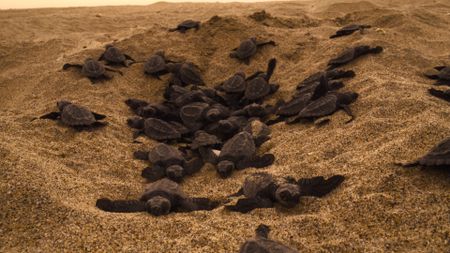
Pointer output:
x,y
248,204
98,116
445,95
114,70
51,115
256,162
121,206
347,110
153,173
270,42
69,65
319,186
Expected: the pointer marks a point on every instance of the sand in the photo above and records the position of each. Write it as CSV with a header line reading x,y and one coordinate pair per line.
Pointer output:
x,y
51,176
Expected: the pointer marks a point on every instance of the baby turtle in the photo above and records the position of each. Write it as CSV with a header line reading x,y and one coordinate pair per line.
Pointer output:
x,y
331,75
261,190
259,131
327,105
248,48
352,54
205,144
192,115
186,25
445,95
154,128
92,69
441,74
239,153
159,198
114,56
235,84
156,65
261,243
167,161
439,157
259,87
76,116
184,74
349,29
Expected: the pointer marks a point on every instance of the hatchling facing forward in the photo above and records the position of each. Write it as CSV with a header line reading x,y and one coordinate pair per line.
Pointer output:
x,y
92,69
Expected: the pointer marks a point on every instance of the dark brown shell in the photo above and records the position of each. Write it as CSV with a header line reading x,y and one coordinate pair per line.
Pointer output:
x,y
203,139
93,69
345,57
257,185
190,74
323,106
156,63
165,155
438,156
114,55
166,186
76,115
256,89
160,130
246,49
235,84
192,114
239,147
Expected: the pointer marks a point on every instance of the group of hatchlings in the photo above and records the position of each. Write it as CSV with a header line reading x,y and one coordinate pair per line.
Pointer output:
x,y
224,126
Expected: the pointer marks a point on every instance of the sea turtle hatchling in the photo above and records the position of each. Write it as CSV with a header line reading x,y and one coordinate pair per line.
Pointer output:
x,y
259,131
159,198
262,244
259,86
439,73
184,74
114,56
262,190
352,54
349,29
239,153
76,116
167,161
156,65
186,25
438,157
445,95
248,48
206,144
92,69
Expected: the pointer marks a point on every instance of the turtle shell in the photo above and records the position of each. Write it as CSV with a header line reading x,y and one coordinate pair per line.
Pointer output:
x,y
323,106
258,185
165,187
235,84
156,63
165,155
188,24
258,130
76,115
295,105
114,55
203,139
190,74
92,68
160,130
256,89
238,147
192,114
438,156
246,49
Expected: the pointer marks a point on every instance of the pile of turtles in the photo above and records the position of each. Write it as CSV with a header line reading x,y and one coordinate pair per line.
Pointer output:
x,y
224,126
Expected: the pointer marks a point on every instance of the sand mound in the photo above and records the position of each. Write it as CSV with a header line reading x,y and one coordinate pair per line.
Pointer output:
x,y
51,176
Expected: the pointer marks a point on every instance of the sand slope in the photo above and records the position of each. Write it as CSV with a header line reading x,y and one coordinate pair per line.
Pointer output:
x,y
50,176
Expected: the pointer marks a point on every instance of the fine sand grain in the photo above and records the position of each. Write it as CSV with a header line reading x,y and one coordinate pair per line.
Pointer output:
x,y
51,176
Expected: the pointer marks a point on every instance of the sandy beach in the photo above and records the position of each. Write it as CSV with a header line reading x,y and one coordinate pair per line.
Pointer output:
x,y
51,175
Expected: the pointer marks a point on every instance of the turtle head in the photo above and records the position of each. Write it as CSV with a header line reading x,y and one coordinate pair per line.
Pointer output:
x,y
262,231
349,97
175,173
288,194
136,122
158,205
224,168
63,103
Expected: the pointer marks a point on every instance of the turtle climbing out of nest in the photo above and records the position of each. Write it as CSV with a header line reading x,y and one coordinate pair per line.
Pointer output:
x,y
76,116
349,29
261,190
92,69
262,244
437,157
352,54
156,65
159,198
114,56
248,48
186,25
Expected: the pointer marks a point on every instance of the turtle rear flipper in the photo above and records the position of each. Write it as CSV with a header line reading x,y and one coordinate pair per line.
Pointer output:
x,y
51,115
445,95
319,186
69,65
121,206
248,204
376,50
256,162
238,193
153,173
